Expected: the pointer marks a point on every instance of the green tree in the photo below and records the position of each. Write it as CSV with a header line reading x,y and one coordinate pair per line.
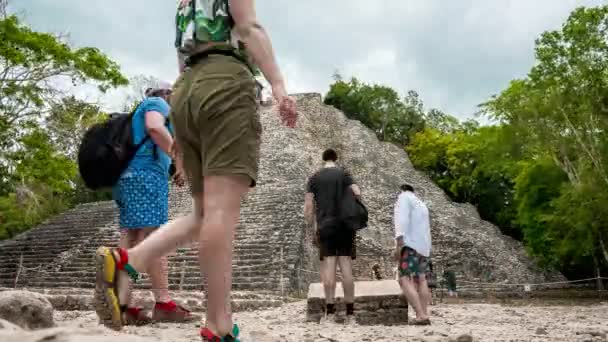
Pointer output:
x,y
378,107
440,121
68,120
472,166
41,124
537,185
31,64
560,111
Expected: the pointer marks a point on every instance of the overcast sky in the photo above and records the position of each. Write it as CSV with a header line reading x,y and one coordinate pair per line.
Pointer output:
x,y
455,53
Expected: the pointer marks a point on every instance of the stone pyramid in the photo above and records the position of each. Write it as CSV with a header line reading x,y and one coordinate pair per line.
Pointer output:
x,y
273,246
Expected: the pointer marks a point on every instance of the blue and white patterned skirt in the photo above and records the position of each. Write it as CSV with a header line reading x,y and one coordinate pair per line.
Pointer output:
x,y
142,197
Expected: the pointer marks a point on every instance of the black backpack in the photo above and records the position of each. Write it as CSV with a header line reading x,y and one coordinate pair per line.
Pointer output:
x,y
352,212
106,150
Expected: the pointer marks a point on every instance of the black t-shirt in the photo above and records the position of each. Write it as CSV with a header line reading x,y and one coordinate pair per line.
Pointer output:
x,y
327,185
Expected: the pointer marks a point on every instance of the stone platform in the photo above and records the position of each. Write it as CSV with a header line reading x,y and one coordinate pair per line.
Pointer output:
x,y
376,302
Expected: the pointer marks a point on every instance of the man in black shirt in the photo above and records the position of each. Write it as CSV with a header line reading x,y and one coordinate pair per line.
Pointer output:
x,y
324,192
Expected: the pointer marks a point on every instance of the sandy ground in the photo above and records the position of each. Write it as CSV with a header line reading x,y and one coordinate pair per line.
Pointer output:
x,y
484,322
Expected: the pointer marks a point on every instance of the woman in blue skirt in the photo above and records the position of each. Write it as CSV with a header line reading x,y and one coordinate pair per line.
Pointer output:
x,y
142,196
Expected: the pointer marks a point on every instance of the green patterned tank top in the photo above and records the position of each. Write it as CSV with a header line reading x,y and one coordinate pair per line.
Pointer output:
x,y
201,22
205,21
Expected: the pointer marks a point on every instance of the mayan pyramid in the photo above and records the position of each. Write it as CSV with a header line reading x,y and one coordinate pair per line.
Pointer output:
x,y
273,247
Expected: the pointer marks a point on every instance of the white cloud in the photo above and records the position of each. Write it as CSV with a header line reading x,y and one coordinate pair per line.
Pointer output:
x,y
454,53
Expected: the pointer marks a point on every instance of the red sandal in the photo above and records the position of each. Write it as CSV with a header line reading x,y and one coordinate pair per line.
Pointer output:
x,y
171,312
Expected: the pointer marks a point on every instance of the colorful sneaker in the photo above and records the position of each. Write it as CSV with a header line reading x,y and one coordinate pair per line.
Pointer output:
x,y
105,297
136,316
170,312
209,336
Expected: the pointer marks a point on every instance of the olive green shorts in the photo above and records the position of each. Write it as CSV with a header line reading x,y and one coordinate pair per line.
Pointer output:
x,y
215,118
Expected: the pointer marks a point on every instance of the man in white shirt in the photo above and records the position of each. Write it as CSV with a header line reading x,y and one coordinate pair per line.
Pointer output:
x,y
413,248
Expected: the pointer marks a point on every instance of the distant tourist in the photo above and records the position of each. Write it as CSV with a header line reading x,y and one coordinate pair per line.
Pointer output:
x,y
337,245
376,272
413,248
142,195
449,278
431,279
218,133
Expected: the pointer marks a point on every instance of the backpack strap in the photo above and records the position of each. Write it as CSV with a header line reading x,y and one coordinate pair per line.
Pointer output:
x,y
146,137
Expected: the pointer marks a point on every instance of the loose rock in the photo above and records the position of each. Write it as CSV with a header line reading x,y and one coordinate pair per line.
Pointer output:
x,y
29,310
69,335
7,326
464,338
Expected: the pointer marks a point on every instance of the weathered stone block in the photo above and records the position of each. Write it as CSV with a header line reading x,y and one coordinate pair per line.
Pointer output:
x,y
376,302
26,309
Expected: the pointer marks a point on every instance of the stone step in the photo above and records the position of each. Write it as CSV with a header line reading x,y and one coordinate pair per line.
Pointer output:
x,y
62,231
46,255
173,277
240,286
187,294
247,272
191,268
87,259
244,270
194,276
43,246
82,299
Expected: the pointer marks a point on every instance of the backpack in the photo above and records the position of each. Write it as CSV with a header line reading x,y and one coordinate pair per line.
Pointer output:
x,y
352,212
106,150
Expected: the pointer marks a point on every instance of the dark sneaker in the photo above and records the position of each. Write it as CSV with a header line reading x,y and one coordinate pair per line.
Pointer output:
x,y
425,321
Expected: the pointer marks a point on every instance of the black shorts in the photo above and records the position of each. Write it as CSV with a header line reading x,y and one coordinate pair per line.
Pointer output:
x,y
342,242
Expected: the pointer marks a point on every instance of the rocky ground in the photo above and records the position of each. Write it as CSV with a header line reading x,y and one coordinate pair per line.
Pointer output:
x,y
451,322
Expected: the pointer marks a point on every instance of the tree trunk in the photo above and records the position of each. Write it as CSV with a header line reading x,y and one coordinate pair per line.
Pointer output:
x,y
567,167
599,284
594,160
603,248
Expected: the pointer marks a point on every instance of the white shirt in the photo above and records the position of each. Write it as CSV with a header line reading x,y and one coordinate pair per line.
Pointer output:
x,y
412,221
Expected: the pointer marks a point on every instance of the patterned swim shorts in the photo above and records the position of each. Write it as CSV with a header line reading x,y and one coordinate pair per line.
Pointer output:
x,y
142,197
412,264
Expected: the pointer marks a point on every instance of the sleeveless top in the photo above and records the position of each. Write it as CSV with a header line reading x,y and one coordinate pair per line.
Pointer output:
x,y
208,21
201,22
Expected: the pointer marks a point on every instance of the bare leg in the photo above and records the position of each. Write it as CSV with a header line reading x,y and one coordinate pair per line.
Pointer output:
x,y
165,239
409,290
221,203
328,275
348,282
159,243
128,239
424,295
158,269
